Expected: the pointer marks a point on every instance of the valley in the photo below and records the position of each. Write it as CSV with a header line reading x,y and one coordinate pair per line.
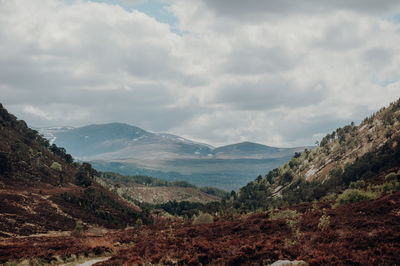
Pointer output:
x,y
335,204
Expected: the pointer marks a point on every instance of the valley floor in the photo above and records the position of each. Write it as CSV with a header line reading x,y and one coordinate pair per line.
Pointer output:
x,y
366,233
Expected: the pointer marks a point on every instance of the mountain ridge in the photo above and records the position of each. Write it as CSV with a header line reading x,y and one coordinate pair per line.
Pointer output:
x,y
245,147
129,150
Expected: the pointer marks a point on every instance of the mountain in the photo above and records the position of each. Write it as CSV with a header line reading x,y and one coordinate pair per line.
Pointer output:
x,y
130,150
346,157
123,141
42,189
250,150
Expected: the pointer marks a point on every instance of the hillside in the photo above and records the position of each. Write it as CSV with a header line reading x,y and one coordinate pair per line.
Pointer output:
x,y
42,189
359,233
145,189
348,154
129,150
250,150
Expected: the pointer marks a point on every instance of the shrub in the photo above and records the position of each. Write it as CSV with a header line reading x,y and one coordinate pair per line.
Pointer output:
x,y
44,170
284,214
355,195
56,166
139,223
5,165
203,218
324,222
12,263
289,243
78,228
331,196
391,176
389,187
85,174
358,184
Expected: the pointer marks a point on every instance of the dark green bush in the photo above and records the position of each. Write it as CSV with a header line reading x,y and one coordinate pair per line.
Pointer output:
x,y
355,195
5,164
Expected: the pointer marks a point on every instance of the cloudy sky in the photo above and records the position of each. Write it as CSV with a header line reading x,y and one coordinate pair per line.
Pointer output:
x,y
281,73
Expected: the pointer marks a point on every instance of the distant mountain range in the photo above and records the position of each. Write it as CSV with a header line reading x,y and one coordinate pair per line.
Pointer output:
x,y
131,150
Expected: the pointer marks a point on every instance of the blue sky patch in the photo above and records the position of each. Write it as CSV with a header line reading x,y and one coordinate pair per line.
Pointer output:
x,y
157,9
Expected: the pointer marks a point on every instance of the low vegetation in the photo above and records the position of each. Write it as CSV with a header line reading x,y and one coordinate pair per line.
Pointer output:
x,y
56,166
203,218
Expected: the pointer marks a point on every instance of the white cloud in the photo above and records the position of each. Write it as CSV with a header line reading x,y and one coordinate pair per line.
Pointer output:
x,y
31,110
273,72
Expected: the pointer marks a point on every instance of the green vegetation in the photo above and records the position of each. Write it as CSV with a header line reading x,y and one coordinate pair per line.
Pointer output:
x,y
12,263
355,195
98,204
392,176
189,209
203,218
56,166
139,223
62,153
5,164
142,180
214,191
324,221
284,215
78,230
292,219
85,175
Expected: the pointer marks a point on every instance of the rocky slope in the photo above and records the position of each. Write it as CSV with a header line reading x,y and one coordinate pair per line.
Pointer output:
x,y
346,155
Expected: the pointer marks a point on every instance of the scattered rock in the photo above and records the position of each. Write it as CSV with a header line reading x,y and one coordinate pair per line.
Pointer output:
x,y
288,262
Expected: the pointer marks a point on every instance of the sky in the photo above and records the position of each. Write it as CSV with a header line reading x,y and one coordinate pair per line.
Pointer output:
x,y
282,73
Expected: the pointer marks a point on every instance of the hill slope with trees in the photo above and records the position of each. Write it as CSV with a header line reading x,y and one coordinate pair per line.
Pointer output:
x,y
349,154
42,189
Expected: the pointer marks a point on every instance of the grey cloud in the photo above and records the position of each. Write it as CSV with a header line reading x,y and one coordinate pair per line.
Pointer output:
x,y
249,59
269,93
252,9
340,36
143,108
378,56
